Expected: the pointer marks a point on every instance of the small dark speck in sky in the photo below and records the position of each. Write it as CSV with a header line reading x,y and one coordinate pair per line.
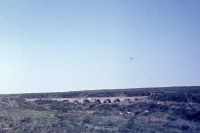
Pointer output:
x,y
130,58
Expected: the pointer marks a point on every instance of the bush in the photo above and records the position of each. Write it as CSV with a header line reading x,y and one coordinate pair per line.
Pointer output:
x,y
175,97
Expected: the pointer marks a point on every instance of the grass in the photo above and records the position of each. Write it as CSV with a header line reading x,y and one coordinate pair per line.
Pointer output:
x,y
166,110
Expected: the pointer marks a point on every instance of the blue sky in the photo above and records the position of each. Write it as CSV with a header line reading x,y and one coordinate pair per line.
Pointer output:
x,y
68,45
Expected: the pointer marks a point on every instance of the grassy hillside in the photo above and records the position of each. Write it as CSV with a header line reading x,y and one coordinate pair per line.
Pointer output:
x,y
167,109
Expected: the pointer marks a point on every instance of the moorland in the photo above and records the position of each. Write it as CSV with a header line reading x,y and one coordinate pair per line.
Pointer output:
x,y
161,110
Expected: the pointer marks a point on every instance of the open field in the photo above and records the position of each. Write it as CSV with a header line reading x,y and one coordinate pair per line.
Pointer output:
x,y
167,109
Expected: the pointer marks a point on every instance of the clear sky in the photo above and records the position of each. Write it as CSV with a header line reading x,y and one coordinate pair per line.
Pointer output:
x,y
68,45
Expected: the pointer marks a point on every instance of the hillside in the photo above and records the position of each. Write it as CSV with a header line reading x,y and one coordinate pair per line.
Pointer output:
x,y
161,109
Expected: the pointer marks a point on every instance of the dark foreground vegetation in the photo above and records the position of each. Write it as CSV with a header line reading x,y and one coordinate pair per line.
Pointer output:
x,y
166,110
